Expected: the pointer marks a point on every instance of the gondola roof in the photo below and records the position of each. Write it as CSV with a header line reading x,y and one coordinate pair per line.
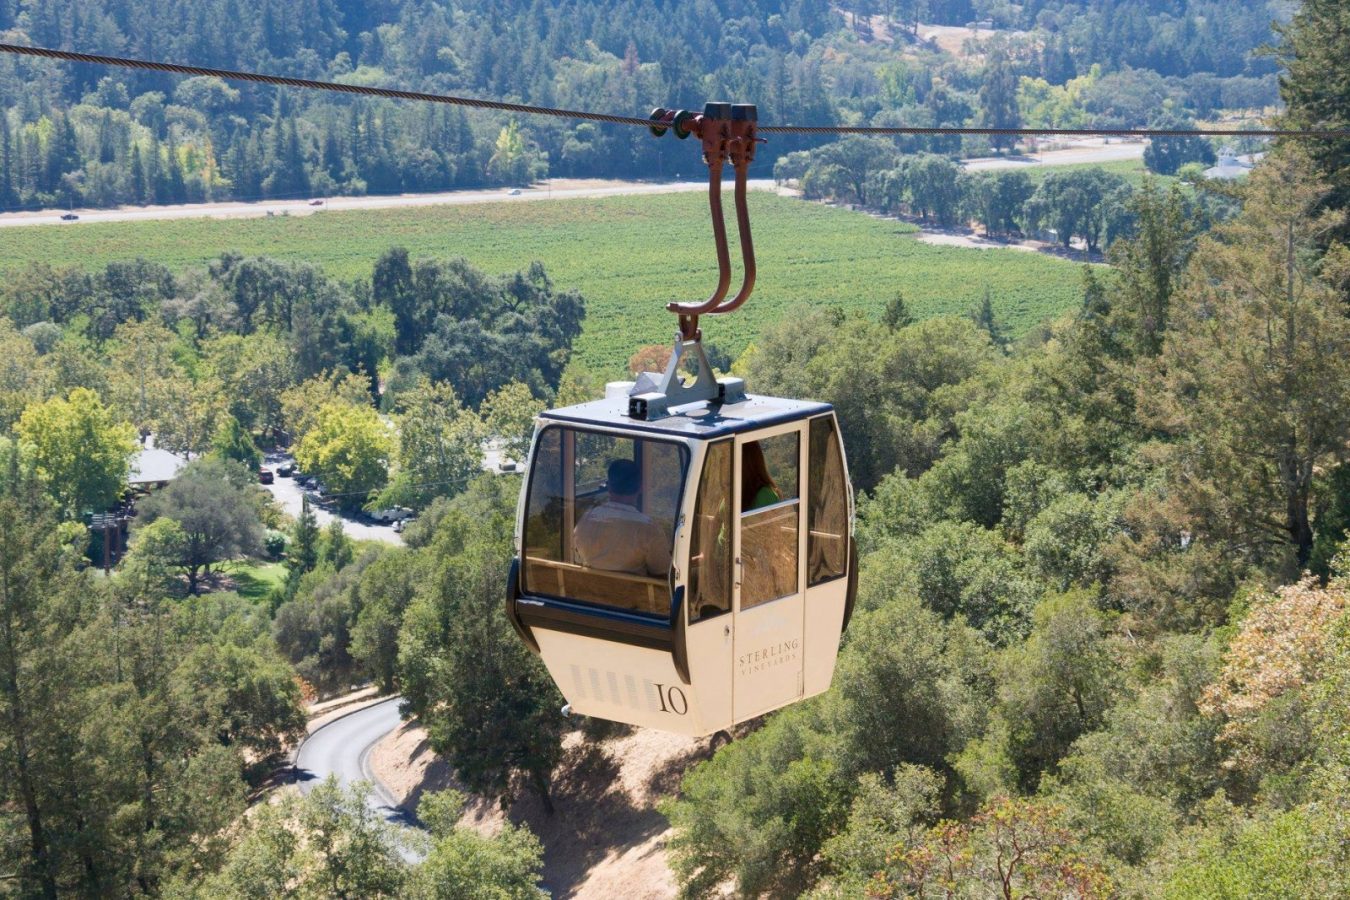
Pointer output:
x,y
701,421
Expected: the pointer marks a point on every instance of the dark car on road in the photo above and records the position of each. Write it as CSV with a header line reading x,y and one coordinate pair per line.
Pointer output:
x,y
68,217
285,470
264,476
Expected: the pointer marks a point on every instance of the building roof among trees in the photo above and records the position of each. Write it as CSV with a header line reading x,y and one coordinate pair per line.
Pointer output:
x,y
154,466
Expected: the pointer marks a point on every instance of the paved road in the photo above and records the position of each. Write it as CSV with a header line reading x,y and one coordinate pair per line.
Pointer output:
x,y
1086,151
288,496
342,749
574,189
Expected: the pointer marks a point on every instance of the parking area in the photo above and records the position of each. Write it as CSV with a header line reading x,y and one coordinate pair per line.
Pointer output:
x,y
288,496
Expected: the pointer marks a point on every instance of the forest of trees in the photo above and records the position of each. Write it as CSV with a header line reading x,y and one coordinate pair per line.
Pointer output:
x,y
1102,644
1091,206
81,135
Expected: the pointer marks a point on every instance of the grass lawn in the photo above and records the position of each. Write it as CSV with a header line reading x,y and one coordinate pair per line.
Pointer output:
x,y
628,256
256,578
1132,170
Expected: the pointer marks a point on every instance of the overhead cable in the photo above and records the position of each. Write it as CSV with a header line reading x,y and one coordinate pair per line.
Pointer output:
x,y
634,121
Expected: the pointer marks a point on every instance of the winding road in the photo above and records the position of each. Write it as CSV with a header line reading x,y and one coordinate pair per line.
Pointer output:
x,y
342,747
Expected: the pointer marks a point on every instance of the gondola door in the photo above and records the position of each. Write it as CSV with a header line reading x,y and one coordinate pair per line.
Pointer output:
x,y
770,545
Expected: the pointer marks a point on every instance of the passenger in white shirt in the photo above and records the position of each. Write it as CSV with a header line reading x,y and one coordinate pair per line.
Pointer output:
x,y
618,537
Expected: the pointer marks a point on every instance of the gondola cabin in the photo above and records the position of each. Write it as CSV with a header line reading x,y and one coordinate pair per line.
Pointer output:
x,y
688,570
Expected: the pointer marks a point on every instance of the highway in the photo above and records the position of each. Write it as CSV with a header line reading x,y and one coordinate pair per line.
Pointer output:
x,y
582,188
1092,150
342,748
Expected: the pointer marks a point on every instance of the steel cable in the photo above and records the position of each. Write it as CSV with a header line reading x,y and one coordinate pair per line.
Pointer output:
x,y
635,121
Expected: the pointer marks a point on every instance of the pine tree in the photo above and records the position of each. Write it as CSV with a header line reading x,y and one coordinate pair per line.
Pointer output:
x,y
157,186
335,548
304,552
897,314
1316,91
296,178
106,151
332,154
139,191
175,186
8,196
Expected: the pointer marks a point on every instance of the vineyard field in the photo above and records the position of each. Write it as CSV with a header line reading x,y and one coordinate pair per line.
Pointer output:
x,y
627,255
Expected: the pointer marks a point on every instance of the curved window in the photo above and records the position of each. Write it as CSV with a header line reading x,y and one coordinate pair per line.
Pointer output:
x,y
710,539
600,519
827,514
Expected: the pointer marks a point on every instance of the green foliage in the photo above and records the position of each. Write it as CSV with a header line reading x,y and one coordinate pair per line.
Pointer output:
x,y
998,97
887,387
335,548
1066,543
1310,54
313,628
127,722
233,443
912,689
304,550
387,586
463,863
439,449
1011,848
351,448
330,843
1300,853
1053,688
759,811
157,551
508,416
1088,204
81,453
1150,264
212,501
1254,366
882,816
480,333
487,703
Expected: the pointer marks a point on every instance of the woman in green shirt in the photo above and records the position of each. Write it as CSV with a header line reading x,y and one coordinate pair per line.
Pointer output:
x,y
757,486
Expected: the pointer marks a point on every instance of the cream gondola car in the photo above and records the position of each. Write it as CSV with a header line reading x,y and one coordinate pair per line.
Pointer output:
x,y
685,570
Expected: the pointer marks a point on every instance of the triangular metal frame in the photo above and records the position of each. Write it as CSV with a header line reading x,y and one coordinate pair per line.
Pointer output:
x,y
673,391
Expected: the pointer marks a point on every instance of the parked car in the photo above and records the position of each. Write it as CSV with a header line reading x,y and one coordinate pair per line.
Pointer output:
x,y
68,217
285,470
402,524
264,476
316,202
514,192
392,514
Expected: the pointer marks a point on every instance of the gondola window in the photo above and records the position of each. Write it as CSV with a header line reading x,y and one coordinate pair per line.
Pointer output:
x,y
770,508
601,519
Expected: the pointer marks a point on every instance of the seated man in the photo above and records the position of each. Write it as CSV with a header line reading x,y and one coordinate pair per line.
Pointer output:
x,y
616,535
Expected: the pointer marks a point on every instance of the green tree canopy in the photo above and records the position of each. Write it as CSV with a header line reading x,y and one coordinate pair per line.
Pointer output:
x,y
350,448
212,501
81,452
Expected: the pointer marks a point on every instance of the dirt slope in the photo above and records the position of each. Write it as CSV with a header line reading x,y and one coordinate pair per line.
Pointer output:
x,y
605,839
